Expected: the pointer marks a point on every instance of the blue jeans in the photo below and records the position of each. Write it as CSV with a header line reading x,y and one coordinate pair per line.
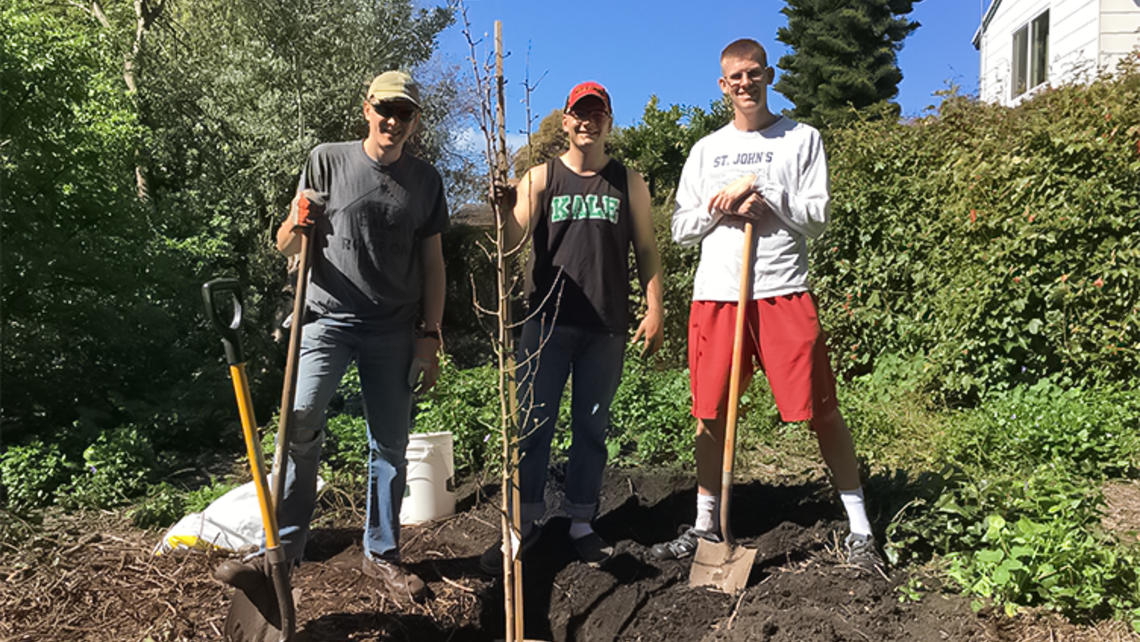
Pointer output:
x,y
546,359
383,360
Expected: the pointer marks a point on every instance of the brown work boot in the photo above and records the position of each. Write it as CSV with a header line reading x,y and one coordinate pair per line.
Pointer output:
x,y
401,584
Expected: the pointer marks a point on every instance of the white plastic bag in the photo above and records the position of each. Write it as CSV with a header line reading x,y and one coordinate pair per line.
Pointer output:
x,y
232,522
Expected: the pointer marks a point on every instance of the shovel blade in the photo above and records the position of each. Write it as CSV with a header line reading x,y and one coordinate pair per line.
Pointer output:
x,y
722,566
255,614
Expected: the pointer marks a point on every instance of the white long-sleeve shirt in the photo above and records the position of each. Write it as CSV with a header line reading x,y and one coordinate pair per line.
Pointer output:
x,y
790,166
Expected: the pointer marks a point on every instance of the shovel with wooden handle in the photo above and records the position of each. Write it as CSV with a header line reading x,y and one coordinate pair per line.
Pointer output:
x,y
724,565
262,608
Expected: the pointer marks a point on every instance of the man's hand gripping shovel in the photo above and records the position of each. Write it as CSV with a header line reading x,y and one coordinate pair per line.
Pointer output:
x,y
724,565
263,608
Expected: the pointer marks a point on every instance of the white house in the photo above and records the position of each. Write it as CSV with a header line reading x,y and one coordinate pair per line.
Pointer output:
x,y
1028,44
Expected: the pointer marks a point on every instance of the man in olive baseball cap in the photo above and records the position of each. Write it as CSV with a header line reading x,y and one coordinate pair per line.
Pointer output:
x,y
376,294
394,85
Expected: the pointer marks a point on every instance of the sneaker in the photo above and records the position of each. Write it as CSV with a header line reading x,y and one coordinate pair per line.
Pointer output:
x,y
593,549
863,553
684,546
400,582
491,561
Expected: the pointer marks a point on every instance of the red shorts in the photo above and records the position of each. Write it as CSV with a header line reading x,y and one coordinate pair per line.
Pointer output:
x,y
781,333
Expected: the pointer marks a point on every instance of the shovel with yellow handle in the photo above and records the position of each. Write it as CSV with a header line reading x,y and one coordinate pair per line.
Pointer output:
x,y
262,608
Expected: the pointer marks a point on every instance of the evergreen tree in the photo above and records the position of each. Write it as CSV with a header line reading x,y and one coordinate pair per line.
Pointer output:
x,y
844,58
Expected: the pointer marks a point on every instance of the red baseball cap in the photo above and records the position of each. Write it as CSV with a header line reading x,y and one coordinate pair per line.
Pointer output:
x,y
588,88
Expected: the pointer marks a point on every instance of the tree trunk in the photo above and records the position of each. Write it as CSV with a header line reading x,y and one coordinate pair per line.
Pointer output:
x,y
145,16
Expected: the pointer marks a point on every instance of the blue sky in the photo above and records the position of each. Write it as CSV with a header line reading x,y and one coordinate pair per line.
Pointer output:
x,y
637,48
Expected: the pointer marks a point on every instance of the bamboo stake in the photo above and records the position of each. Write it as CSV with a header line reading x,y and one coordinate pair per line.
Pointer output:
x,y
511,526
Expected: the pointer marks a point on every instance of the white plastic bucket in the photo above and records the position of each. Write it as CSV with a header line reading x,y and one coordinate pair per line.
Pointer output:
x,y
431,478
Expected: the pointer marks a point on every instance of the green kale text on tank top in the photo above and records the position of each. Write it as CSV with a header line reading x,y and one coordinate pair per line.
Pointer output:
x,y
581,207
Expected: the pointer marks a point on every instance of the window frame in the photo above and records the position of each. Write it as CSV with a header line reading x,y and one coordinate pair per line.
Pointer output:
x,y
1029,64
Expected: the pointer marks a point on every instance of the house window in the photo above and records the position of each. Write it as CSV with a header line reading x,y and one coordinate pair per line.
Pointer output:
x,y
1031,55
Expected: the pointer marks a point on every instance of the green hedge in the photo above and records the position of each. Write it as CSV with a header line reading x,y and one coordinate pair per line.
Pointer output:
x,y
1000,244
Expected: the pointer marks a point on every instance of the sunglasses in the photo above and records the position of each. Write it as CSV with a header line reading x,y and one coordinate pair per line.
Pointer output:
x,y
403,112
597,116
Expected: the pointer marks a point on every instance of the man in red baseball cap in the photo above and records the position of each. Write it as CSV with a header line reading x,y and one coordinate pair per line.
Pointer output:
x,y
582,211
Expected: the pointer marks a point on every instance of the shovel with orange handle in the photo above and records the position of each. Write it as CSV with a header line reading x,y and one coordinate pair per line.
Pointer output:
x,y
725,565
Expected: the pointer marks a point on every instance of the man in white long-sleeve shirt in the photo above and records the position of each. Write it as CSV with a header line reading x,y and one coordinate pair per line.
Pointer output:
x,y
772,171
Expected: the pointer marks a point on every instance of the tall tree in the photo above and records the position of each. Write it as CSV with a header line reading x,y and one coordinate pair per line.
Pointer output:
x,y
546,143
102,322
659,144
844,58
89,322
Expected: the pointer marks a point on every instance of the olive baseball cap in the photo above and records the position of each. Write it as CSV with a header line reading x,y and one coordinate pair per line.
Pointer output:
x,y
394,85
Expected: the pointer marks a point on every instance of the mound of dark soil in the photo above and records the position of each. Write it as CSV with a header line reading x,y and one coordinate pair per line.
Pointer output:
x,y
91,577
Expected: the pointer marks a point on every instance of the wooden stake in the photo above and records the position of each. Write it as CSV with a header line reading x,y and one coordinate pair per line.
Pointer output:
x,y
511,526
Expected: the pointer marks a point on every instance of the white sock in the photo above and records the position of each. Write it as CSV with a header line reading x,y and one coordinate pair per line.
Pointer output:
x,y
578,530
708,517
856,511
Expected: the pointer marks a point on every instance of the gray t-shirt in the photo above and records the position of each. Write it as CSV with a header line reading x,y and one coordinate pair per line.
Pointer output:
x,y
366,264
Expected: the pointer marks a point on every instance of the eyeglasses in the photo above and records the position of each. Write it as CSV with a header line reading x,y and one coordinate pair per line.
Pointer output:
x,y
754,76
403,112
597,116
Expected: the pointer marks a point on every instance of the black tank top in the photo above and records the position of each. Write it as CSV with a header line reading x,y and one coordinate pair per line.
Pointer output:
x,y
578,270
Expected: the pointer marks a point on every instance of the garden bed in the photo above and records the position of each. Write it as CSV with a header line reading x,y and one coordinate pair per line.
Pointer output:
x,y
92,578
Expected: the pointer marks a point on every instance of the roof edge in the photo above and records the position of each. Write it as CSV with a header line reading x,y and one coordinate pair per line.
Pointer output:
x,y
977,41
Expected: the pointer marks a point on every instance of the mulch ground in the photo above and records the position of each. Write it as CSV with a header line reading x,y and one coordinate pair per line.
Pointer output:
x,y
92,577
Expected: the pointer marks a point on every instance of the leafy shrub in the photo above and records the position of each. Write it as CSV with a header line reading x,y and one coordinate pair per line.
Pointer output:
x,y
649,418
1029,542
165,503
650,421
117,467
471,284
29,475
345,452
1091,433
999,244
465,403
197,500
679,267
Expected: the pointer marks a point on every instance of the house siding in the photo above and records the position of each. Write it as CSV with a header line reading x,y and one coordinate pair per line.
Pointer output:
x,y
1074,34
1073,42
1119,31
